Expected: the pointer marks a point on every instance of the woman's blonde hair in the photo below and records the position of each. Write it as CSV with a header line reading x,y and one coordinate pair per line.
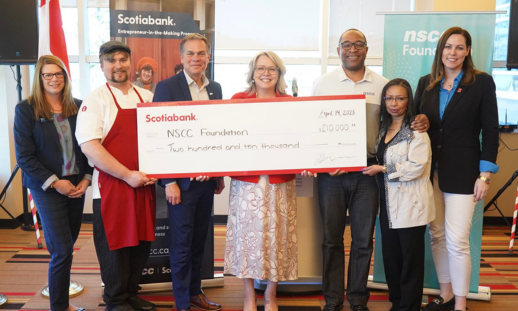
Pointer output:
x,y
37,99
280,87
470,73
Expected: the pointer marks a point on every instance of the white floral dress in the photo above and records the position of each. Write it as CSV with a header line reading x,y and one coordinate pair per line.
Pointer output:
x,y
261,238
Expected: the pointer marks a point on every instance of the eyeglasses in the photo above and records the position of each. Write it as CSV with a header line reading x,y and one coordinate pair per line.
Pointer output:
x,y
261,70
49,76
398,99
359,45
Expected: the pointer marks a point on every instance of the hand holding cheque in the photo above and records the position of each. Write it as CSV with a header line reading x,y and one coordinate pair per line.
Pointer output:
x,y
252,136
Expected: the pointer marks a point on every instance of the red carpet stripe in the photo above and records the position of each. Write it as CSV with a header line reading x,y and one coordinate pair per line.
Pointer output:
x,y
499,286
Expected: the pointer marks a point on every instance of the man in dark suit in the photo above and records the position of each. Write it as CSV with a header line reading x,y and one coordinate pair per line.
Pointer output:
x,y
190,201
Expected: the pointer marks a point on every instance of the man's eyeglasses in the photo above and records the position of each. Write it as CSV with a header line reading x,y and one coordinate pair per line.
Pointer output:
x,y
359,45
49,76
399,99
261,70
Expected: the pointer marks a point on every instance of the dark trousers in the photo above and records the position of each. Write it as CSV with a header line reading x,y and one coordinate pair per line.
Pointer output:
x,y
122,268
403,259
61,221
358,194
189,223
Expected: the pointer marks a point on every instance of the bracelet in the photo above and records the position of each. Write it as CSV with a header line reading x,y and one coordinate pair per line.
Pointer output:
x,y
384,169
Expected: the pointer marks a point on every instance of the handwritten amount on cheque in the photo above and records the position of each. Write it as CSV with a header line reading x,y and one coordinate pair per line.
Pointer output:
x,y
204,132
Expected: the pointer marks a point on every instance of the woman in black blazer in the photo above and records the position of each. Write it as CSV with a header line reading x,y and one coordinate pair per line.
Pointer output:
x,y
460,103
55,169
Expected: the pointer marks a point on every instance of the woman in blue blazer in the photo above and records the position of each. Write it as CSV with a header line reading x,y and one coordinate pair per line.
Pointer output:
x,y
55,170
460,103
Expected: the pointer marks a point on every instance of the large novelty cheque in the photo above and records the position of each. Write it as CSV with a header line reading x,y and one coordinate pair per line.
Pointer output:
x,y
252,136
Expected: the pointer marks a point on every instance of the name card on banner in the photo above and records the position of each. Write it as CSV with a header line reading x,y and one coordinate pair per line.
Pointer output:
x,y
252,136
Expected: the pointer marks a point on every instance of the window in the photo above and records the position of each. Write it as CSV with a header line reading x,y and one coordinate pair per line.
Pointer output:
x,y
75,76
507,95
98,28
501,30
70,27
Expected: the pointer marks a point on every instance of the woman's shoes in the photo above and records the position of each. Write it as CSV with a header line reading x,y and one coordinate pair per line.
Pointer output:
x,y
439,304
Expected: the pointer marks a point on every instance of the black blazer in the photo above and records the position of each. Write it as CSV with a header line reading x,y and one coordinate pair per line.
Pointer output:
x,y
38,151
173,89
456,146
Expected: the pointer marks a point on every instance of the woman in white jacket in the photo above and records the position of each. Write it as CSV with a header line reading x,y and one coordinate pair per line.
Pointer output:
x,y
406,196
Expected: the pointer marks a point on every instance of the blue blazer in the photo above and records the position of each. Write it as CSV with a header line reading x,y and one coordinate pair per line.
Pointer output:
x,y
38,151
174,89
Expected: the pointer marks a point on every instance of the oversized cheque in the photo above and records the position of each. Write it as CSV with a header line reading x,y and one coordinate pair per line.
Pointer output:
x,y
252,136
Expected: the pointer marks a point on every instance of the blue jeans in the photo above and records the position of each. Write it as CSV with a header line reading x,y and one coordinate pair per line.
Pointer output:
x,y
61,221
358,194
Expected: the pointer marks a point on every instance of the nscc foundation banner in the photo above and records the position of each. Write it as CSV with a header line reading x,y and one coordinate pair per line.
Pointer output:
x,y
411,39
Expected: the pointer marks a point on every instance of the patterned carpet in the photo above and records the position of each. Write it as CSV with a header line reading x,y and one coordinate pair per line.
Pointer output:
x,y
23,273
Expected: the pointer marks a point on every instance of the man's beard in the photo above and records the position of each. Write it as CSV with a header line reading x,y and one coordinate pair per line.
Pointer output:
x,y
121,80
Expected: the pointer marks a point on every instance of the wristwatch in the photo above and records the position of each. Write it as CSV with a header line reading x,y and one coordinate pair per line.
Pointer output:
x,y
384,169
487,180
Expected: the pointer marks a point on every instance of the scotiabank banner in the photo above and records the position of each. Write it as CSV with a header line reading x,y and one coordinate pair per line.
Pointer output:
x,y
153,30
144,24
157,268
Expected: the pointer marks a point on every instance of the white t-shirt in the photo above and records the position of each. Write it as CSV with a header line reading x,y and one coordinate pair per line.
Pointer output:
x,y
336,82
97,115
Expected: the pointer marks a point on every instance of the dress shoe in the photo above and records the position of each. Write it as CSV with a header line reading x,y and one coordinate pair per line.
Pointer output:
x,y
140,304
201,302
360,308
330,307
439,304
122,307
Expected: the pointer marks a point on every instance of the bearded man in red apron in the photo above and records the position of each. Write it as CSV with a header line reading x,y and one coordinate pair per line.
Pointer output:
x,y
124,197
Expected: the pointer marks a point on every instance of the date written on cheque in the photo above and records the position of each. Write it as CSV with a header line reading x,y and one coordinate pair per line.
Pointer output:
x,y
329,127
336,113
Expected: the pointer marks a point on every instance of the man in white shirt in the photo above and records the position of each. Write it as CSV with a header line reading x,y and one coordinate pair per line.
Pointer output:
x,y
190,201
124,202
341,192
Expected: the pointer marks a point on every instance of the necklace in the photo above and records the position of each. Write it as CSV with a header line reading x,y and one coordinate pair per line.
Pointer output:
x,y
447,85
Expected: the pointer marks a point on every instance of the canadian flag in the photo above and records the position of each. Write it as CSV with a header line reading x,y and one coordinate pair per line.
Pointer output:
x,y
52,36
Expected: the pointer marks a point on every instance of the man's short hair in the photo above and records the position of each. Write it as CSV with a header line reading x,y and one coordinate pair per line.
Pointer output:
x,y
194,36
351,29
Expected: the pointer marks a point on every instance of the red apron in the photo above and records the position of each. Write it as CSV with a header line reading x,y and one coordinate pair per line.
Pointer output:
x,y
128,213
